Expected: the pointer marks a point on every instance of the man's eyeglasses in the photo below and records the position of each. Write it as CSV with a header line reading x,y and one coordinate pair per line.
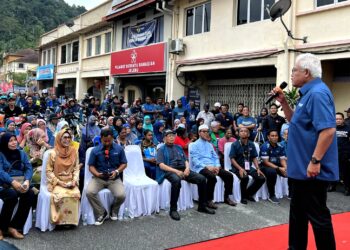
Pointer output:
x,y
205,131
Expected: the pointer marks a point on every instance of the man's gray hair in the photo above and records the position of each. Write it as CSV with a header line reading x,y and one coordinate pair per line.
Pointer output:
x,y
310,62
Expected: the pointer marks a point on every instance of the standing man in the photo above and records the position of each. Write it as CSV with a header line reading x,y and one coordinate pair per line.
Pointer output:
x,y
207,116
274,120
347,119
315,159
343,140
192,115
107,162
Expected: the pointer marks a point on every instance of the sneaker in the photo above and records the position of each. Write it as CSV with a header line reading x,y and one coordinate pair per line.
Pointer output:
x,y
101,219
174,215
113,216
274,200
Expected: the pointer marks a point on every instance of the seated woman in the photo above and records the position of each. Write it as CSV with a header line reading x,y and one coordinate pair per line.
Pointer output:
x,y
11,127
149,154
49,138
15,175
62,171
182,139
22,138
35,149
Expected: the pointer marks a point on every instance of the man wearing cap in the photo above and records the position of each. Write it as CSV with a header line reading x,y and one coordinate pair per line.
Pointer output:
x,y
11,110
205,161
207,116
216,109
347,119
172,160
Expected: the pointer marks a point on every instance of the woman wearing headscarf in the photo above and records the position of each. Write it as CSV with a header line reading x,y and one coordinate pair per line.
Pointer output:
x,y
62,171
15,176
118,123
35,149
147,123
22,138
61,125
158,128
139,130
10,127
49,138
149,154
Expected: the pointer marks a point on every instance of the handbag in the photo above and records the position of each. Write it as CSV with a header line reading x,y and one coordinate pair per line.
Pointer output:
x,y
20,179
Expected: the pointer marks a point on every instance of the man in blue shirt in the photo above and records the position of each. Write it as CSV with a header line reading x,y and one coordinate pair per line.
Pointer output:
x,y
192,115
225,118
312,154
179,111
243,154
274,162
206,162
106,163
172,161
149,108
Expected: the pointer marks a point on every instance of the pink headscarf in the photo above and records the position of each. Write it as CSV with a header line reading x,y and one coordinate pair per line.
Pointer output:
x,y
21,134
46,136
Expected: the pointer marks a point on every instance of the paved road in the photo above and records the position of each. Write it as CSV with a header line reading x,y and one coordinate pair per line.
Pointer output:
x,y
160,232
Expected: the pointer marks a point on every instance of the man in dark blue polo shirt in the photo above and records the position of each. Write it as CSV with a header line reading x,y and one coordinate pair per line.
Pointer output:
x,y
312,151
243,154
107,161
274,162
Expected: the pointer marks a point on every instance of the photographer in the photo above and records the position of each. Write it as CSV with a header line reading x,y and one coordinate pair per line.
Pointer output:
x,y
107,162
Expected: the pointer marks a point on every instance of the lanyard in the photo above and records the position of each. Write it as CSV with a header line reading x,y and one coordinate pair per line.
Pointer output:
x,y
246,151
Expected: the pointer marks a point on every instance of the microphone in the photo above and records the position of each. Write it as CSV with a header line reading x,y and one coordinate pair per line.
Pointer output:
x,y
283,85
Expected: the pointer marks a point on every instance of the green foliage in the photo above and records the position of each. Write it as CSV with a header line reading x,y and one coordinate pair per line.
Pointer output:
x,y
19,78
292,96
23,22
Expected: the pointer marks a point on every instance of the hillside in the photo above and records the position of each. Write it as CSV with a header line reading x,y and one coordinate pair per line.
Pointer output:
x,y
22,22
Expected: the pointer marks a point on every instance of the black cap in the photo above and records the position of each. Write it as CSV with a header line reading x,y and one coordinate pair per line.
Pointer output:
x,y
206,105
168,132
347,111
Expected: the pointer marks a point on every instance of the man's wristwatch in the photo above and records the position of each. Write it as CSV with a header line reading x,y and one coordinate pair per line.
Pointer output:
x,y
314,160
117,172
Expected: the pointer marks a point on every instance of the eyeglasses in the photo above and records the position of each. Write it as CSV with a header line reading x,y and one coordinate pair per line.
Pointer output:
x,y
66,137
205,131
294,69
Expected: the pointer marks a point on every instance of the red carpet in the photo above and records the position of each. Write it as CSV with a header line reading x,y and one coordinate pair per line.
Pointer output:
x,y
274,238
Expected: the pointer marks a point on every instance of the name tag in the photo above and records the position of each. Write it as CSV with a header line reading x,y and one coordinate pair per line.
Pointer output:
x,y
246,165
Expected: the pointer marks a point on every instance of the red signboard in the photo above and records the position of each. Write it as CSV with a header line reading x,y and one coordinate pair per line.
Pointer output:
x,y
146,59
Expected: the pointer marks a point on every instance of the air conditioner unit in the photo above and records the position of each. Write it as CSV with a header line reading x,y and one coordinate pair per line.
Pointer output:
x,y
176,46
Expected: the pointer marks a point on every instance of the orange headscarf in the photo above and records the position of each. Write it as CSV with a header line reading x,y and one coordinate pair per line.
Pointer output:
x,y
66,157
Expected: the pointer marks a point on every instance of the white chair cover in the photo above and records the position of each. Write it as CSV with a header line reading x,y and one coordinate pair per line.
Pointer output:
x,y
105,196
28,224
43,207
141,191
219,186
185,200
263,192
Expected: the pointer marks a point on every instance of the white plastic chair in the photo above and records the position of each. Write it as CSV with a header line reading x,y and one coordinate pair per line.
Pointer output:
x,y
44,199
219,186
28,225
141,191
105,196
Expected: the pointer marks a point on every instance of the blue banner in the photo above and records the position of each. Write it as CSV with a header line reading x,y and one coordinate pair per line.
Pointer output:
x,y
45,72
142,34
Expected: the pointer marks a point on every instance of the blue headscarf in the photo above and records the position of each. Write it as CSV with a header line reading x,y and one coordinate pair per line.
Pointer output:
x,y
158,135
91,130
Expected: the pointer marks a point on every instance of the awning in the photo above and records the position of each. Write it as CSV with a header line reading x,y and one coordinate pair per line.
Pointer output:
x,y
121,7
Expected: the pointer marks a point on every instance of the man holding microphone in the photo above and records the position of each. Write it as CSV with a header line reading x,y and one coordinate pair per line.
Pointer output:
x,y
313,149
